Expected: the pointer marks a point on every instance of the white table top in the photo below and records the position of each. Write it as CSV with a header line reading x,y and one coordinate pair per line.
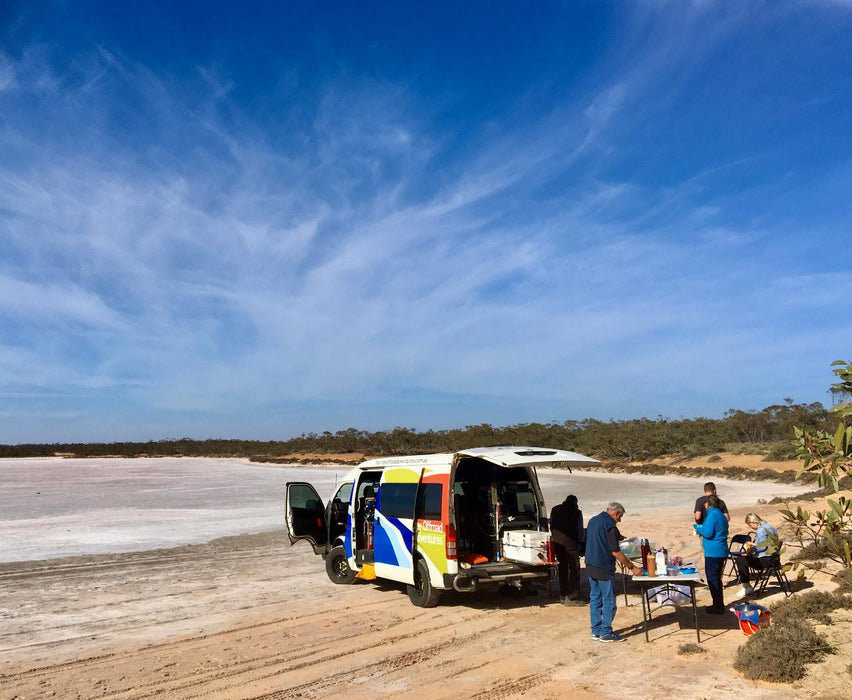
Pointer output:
x,y
680,578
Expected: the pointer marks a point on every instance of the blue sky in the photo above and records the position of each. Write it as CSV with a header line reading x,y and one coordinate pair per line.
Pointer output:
x,y
253,220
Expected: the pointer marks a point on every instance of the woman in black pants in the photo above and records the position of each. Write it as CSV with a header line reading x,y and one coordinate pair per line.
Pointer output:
x,y
714,530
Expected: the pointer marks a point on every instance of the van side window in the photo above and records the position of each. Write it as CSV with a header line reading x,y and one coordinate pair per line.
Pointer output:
x,y
429,501
397,500
343,493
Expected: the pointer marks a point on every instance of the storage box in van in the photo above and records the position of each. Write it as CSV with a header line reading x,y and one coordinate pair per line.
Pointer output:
x,y
527,547
434,522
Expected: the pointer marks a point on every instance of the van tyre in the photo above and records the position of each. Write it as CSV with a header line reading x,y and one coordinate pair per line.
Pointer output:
x,y
337,566
422,593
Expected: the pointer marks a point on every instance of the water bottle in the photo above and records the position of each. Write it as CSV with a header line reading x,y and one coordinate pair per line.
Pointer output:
x,y
660,561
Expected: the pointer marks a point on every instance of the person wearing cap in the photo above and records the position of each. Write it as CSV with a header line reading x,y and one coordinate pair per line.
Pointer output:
x,y
602,551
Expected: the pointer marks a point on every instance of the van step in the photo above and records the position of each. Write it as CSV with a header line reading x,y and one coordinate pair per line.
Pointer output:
x,y
363,556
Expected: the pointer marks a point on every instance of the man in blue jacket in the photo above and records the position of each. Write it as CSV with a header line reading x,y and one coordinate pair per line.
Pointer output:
x,y
714,530
602,551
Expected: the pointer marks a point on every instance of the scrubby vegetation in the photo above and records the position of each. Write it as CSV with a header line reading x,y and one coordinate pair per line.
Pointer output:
x,y
817,549
813,605
746,432
780,652
828,455
690,648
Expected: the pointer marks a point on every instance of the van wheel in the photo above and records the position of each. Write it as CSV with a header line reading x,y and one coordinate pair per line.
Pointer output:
x,y
337,566
422,594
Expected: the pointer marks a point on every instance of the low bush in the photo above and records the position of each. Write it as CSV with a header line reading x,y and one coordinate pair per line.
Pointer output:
x,y
813,605
780,452
815,551
779,653
690,648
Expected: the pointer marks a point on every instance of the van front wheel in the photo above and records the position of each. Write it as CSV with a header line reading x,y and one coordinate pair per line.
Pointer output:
x,y
337,566
422,593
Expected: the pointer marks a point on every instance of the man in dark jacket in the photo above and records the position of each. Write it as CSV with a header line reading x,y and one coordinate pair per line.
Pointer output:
x,y
566,528
602,551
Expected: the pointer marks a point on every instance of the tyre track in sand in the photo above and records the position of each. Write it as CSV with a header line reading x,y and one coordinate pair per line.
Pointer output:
x,y
276,657
247,619
284,626
251,618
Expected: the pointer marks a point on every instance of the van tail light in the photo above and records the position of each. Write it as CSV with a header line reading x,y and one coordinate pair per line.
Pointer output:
x,y
551,554
451,542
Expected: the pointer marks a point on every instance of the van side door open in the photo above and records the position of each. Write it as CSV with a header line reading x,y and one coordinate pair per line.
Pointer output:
x,y
305,513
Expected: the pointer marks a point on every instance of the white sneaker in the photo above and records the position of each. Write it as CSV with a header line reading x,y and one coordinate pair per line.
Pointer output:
x,y
745,590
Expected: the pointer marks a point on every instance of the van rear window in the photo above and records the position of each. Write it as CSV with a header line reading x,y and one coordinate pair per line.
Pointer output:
x,y
397,500
429,501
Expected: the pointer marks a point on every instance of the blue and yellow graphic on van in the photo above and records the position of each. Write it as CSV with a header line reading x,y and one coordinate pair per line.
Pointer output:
x,y
401,475
392,543
431,543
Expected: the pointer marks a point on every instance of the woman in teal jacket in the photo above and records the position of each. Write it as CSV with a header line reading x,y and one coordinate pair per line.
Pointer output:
x,y
714,530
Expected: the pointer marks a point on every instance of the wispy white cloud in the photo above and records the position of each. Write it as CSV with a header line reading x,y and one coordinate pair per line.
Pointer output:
x,y
166,249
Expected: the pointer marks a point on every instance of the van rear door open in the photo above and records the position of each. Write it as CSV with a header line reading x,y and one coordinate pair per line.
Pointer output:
x,y
529,457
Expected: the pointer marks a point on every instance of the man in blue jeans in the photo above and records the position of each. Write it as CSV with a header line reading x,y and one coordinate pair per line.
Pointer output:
x,y
602,551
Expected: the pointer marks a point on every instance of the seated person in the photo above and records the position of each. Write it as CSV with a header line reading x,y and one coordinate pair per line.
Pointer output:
x,y
765,538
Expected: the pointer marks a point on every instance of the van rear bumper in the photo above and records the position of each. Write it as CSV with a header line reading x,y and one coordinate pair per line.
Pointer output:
x,y
470,579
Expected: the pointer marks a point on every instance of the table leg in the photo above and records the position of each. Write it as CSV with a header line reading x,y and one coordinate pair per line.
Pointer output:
x,y
645,615
695,612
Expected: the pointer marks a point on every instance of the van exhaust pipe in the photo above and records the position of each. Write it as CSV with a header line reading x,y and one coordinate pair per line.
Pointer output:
x,y
464,584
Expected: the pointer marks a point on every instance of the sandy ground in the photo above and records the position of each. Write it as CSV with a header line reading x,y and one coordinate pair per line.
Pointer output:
x,y
252,617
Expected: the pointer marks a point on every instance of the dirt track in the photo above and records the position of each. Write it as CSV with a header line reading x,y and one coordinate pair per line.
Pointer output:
x,y
251,617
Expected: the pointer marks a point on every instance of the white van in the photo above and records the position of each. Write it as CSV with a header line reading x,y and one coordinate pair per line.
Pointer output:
x,y
435,522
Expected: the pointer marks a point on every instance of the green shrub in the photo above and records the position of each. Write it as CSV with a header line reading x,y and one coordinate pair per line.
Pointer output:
x,y
714,458
690,648
844,578
820,549
780,452
813,605
778,653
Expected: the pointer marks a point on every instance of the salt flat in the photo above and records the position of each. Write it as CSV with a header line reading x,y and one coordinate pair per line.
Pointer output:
x,y
68,507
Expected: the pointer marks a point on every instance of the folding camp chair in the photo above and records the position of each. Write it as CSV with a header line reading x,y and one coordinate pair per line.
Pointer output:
x,y
764,569
736,548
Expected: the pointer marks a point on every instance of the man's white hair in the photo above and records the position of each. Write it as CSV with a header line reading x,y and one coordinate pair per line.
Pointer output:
x,y
616,507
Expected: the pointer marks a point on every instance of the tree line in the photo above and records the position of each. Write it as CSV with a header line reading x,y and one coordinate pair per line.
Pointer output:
x,y
620,440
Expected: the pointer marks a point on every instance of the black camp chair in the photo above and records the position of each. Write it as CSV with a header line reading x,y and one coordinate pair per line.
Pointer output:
x,y
736,548
763,569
